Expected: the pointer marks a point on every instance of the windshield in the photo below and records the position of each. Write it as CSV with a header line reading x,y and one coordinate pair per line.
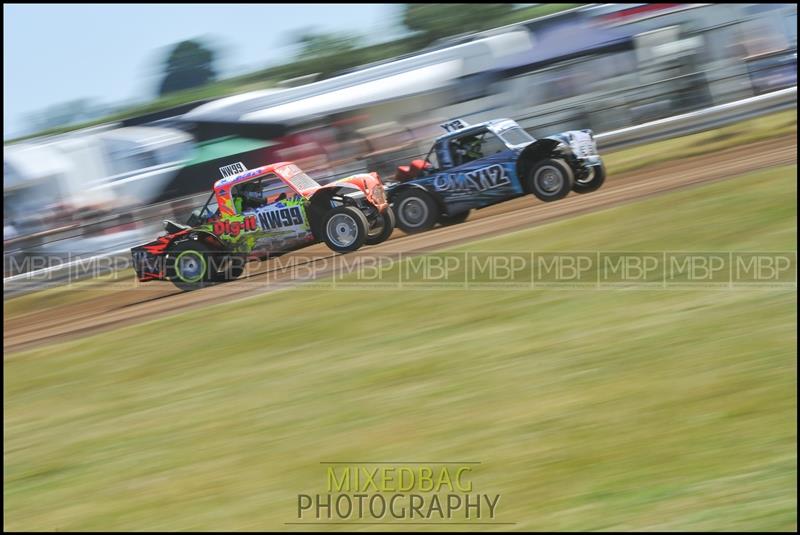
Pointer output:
x,y
201,215
516,136
432,159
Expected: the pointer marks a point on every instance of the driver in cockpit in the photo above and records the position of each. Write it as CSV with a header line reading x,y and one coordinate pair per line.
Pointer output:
x,y
247,197
467,149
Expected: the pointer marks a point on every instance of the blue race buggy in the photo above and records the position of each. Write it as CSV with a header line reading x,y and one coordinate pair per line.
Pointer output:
x,y
474,166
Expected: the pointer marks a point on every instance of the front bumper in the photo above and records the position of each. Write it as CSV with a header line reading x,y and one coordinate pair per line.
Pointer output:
x,y
147,264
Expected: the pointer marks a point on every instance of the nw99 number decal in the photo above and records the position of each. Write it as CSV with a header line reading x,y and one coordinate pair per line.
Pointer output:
x,y
272,218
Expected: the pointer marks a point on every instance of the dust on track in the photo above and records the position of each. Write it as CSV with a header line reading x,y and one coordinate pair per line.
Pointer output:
x,y
125,303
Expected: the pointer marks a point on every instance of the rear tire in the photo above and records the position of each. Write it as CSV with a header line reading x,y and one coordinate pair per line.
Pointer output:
x,y
597,175
385,228
447,220
188,265
344,229
233,268
550,180
416,211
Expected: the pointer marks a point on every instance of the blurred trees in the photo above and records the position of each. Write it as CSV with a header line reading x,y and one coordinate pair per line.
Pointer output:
x,y
325,53
436,21
316,45
67,113
190,64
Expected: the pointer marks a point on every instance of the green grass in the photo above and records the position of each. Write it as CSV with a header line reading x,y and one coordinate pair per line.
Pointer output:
x,y
589,410
72,293
758,129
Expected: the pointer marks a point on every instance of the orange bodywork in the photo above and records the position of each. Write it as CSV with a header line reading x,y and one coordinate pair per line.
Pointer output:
x,y
369,183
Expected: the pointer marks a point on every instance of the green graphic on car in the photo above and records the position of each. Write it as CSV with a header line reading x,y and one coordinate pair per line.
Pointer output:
x,y
272,209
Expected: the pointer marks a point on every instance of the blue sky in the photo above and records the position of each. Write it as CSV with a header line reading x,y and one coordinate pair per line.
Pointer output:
x,y
113,53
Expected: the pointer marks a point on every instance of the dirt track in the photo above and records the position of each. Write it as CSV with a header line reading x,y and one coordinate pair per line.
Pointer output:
x,y
126,303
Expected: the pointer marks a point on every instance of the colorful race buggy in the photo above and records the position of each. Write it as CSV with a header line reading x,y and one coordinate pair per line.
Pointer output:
x,y
269,210
487,163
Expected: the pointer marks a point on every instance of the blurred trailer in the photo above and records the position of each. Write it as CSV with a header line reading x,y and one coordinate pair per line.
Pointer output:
x,y
110,167
402,90
725,40
202,170
609,66
572,61
387,91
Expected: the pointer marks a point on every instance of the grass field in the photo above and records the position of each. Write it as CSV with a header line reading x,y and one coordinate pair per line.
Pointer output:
x,y
708,142
588,409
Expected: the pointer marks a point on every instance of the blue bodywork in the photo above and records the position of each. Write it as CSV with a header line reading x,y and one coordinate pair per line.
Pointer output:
x,y
494,177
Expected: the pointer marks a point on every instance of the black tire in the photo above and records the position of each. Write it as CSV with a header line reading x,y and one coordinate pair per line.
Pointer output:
x,y
233,268
188,265
550,179
447,220
416,211
384,229
344,229
593,182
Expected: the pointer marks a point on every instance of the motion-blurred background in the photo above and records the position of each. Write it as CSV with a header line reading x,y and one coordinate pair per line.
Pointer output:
x,y
603,399
85,177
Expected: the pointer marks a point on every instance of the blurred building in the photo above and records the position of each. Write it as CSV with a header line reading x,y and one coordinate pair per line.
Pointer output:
x,y
113,168
601,66
615,65
388,91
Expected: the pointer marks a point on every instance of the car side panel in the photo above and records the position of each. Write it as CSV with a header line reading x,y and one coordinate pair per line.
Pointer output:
x,y
479,183
276,227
